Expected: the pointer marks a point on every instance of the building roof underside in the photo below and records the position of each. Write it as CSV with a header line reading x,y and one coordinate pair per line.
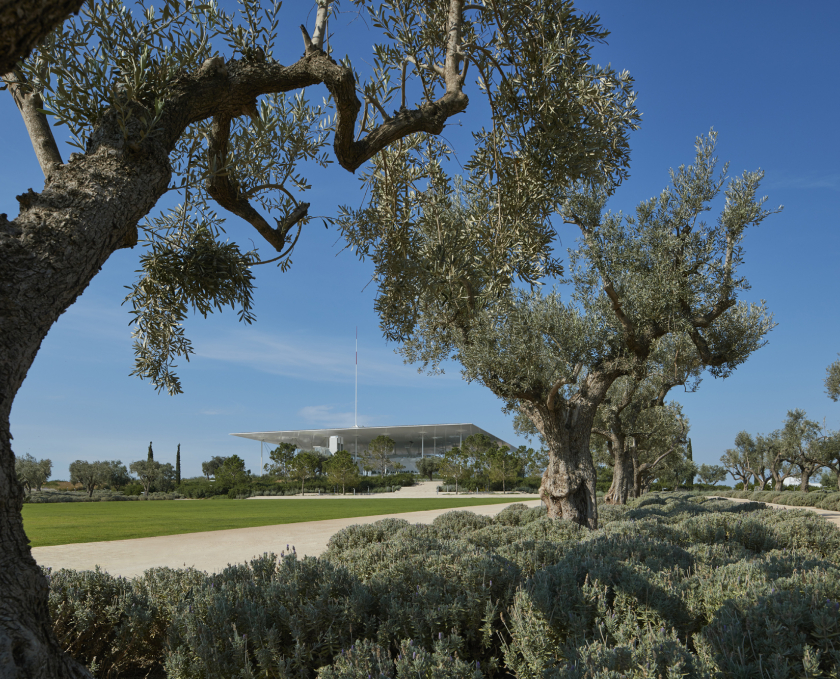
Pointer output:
x,y
409,440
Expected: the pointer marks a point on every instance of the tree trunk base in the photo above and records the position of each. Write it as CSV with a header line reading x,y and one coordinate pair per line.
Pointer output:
x,y
28,646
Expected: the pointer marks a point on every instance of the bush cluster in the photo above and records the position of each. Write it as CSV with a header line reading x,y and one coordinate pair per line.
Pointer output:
x,y
98,496
451,488
529,484
669,586
822,499
266,485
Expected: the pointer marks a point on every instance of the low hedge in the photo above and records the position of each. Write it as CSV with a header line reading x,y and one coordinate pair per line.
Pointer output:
x,y
202,488
668,586
821,499
98,496
529,484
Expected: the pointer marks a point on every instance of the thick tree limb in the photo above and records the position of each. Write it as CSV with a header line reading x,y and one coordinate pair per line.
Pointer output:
x,y
559,384
227,194
25,23
633,343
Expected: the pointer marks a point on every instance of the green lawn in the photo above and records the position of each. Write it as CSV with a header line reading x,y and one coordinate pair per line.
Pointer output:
x,y
63,523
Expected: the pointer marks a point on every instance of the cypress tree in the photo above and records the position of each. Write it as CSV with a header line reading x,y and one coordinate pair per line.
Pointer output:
x,y
151,457
178,466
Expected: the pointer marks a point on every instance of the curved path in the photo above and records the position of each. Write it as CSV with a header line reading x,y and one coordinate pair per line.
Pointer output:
x,y
829,515
214,550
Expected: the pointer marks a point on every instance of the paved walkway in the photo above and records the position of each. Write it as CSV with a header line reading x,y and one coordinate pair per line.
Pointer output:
x,y
214,550
829,515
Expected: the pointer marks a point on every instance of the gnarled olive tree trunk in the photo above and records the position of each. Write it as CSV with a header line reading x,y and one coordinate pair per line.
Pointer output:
x,y
568,483
49,255
621,490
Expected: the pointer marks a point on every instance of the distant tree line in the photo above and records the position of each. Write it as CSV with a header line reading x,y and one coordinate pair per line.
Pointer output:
x,y
143,475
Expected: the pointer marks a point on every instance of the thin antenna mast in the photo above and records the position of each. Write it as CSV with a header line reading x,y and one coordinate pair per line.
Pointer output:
x,y
356,401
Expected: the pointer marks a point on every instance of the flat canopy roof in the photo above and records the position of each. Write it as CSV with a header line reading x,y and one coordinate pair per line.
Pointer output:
x,y
408,439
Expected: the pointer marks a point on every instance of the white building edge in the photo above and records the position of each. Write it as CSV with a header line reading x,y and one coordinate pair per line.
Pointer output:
x,y
411,442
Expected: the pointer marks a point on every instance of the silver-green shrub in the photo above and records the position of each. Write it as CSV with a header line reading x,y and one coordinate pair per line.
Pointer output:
x,y
673,585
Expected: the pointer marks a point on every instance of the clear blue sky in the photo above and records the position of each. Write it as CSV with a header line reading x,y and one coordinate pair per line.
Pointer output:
x,y
763,74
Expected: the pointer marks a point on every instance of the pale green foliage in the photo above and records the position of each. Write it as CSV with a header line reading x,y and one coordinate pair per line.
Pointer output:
x,y
304,466
377,456
32,473
341,469
667,268
711,473
111,59
90,474
148,472
556,119
832,381
187,270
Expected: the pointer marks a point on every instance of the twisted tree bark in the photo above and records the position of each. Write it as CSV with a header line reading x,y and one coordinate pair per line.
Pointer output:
x,y
25,23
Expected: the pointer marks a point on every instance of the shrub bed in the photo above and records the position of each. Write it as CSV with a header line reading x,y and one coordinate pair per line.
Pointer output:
x,y
822,499
267,486
668,586
98,496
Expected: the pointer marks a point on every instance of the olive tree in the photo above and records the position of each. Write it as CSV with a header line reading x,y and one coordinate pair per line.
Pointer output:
x,y
377,455
32,473
211,466
711,474
803,442
148,473
636,279
190,99
342,469
634,414
428,466
661,452
91,475
832,380
809,446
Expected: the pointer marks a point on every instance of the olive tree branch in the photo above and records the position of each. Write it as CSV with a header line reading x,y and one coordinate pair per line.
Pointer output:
x,y
227,194
31,108
559,384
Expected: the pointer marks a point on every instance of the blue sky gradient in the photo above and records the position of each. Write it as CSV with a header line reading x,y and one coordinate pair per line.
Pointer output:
x,y
763,75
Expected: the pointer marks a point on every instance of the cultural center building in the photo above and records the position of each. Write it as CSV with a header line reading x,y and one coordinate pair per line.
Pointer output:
x,y
411,442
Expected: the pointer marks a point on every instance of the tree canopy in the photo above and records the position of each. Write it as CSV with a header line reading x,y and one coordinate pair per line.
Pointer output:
x,y
636,279
32,473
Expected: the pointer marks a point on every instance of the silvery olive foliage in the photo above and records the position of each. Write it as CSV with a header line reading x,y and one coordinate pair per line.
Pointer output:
x,y
32,473
832,380
635,279
556,118
121,58
667,586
